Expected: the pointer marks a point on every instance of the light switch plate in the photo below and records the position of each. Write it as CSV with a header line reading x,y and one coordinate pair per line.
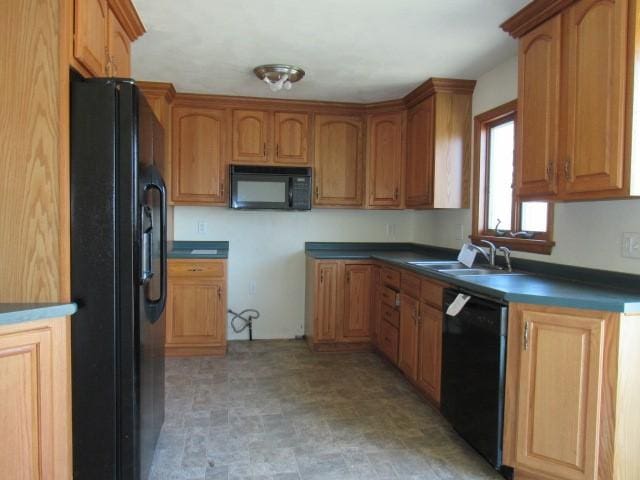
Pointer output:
x,y
631,245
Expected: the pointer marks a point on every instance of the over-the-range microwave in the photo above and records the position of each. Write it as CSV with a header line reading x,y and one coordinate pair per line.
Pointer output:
x,y
276,188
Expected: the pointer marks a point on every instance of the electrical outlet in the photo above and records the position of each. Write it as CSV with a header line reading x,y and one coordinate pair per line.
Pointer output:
x,y
252,287
201,228
631,245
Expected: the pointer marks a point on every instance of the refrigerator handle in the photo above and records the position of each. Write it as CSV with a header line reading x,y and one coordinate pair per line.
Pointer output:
x,y
163,244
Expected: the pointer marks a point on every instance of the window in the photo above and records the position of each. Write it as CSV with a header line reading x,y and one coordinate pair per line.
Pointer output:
x,y
499,216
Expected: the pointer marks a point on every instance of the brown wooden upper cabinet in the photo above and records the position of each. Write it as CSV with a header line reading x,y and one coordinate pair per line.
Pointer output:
x,y
261,137
118,49
200,148
438,148
575,103
385,160
90,36
103,32
291,138
338,161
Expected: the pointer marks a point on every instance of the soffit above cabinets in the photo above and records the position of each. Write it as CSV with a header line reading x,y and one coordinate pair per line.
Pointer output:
x,y
353,51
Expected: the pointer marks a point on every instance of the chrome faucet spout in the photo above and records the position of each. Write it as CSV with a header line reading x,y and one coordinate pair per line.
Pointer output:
x,y
492,252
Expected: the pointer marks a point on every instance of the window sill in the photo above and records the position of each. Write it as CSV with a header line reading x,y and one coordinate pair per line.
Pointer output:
x,y
518,244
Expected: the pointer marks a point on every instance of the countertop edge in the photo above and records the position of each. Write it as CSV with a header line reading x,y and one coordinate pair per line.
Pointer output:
x,y
14,313
608,305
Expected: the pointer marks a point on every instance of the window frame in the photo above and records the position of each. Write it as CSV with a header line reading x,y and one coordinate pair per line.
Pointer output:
x,y
542,241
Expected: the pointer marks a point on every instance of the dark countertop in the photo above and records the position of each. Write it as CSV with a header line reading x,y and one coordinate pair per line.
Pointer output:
x,y
11,313
541,284
184,249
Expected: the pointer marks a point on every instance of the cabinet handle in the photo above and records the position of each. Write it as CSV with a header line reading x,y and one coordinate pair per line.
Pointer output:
x,y
195,270
221,188
349,277
219,293
550,171
395,194
277,150
525,335
567,169
264,149
321,276
317,193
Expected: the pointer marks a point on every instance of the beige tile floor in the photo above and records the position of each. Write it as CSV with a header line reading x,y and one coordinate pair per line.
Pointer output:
x,y
274,410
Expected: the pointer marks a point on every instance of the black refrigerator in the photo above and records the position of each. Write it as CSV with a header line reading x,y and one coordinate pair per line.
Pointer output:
x,y
118,279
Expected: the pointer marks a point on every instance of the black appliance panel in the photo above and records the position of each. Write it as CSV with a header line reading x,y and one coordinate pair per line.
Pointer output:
x,y
117,338
275,188
473,373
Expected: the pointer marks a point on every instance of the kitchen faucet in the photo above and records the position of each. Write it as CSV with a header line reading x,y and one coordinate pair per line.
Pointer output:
x,y
491,256
507,257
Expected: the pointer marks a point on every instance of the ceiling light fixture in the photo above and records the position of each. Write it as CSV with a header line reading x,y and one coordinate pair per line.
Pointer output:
x,y
279,76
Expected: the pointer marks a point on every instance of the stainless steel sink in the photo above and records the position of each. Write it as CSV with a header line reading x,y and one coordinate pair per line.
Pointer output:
x,y
458,269
440,264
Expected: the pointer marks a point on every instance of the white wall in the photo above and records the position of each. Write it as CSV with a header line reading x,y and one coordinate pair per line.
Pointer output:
x,y
268,247
587,234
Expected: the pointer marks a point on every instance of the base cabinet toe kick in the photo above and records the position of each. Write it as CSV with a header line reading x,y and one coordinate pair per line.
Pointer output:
x,y
571,389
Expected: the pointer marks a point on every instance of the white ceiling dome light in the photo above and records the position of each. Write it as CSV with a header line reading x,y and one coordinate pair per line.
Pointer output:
x,y
279,76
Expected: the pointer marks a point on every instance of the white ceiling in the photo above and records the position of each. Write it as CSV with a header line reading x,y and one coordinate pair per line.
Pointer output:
x,y
352,50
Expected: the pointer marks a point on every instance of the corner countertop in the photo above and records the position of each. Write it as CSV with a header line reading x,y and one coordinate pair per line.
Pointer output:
x,y
537,282
11,313
197,250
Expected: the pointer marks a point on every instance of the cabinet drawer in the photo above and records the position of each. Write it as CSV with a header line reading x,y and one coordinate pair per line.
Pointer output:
x,y
410,284
196,268
431,293
389,297
389,340
390,277
390,315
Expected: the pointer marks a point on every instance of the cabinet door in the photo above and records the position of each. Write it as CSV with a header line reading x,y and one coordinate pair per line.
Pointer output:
x,y
291,138
408,350
385,160
200,139
430,351
376,305
558,395
338,160
34,398
357,302
596,39
90,39
195,311
419,173
119,48
326,301
539,109
250,133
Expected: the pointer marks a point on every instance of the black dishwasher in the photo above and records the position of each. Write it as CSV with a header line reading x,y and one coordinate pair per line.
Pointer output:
x,y
474,352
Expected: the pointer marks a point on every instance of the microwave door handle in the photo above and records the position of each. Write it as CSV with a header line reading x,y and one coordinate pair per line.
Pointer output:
x,y
290,192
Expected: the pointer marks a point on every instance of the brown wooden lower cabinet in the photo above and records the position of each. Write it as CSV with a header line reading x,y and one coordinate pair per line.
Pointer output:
x,y
35,400
408,347
196,311
430,351
572,394
338,305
